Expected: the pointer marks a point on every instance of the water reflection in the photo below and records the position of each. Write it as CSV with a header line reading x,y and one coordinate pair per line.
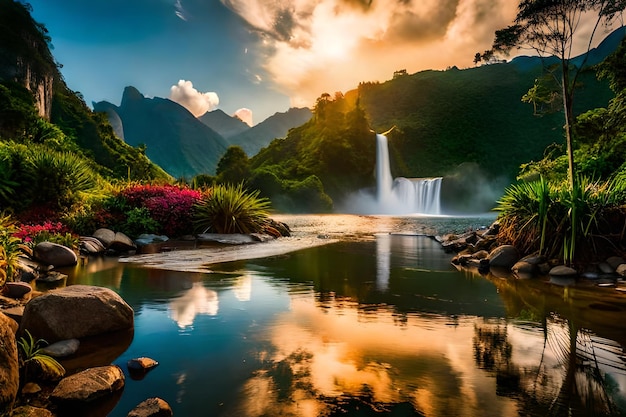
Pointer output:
x,y
384,326
196,300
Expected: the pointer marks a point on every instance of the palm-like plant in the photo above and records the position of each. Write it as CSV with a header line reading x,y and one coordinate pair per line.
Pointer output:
x,y
34,360
231,209
10,248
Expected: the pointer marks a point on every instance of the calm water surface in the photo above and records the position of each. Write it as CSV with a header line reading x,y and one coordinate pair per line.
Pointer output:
x,y
381,324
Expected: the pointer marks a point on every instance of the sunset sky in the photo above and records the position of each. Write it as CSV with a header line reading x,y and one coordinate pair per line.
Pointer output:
x,y
259,57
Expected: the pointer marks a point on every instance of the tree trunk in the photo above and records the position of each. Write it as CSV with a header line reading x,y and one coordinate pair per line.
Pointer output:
x,y
569,116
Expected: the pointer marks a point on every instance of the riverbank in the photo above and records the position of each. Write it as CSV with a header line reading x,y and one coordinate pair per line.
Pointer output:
x,y
306,231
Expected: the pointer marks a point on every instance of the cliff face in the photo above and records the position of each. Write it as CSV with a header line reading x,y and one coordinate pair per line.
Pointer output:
x,y
25,56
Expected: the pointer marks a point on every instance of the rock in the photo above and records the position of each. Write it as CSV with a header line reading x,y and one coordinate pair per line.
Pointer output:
x,y
105,236
16,313
481,254
122,243
62,349
89,385
28,271
148,239
504,256
563,271
152,407
621,270
9,368
615,261
524,267
31,388
141,364
91,246
54,254
29,411
17,290
282,228
75,312
605,268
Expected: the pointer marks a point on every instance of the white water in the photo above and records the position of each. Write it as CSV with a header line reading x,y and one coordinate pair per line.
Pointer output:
x,y
403,195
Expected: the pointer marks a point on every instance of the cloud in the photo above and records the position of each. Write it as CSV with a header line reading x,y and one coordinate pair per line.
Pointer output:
x,y
321,46
180,10
196,102
245,115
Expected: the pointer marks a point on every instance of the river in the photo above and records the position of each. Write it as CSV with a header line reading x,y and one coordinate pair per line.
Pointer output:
x,y
358,316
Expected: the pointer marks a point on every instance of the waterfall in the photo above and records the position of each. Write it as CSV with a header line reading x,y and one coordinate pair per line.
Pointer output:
x,y
403,195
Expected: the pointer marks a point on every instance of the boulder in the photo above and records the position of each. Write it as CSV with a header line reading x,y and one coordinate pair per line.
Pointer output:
x,y
105,236
91,245
615,261
504,256
524,267
122,243
621,270
563,271
605,268
75,312
29,411
9,368
89,385
17,290
141,364
149,239
54,254
152,407
62,349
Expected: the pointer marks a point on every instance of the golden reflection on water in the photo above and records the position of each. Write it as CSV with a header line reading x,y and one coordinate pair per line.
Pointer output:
x,y
469,367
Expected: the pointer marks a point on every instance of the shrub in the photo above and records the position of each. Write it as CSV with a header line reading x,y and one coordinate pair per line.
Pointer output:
x,y
57,178
231,209
558,221
169,206
34,361
10,248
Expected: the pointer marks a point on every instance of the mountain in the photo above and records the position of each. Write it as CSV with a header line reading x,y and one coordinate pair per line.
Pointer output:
x,y
275,126
469,126
37,106
174,139
225,125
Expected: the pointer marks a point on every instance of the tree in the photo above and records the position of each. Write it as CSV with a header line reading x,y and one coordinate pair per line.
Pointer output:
x,y
549,27
233,167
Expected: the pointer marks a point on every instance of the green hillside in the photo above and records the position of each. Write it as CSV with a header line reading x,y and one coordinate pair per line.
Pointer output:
x,y
446,118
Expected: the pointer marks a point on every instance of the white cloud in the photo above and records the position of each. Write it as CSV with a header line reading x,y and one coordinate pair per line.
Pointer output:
x,y
245,115
196,102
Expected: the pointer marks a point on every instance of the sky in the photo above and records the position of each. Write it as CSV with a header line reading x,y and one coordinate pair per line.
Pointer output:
x,y
254,58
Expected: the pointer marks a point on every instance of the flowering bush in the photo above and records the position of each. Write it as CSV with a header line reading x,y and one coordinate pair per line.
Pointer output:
x,y
56,232
31,232
169,205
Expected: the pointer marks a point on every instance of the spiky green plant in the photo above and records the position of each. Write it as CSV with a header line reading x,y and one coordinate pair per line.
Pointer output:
x,y
10,248
58,178
34,360
557,220
231,209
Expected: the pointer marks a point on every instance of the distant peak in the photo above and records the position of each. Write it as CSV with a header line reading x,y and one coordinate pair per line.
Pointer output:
x,y
131,94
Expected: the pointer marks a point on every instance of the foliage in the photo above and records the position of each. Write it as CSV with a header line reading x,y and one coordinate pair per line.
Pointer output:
x,y
331,155
558,221
231,209
10,248
57,179
233,167
550,28
33,360
138,220
55,232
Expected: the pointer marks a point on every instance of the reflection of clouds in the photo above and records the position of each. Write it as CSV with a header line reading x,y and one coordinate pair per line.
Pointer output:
x,y
242,288
194,301
383,261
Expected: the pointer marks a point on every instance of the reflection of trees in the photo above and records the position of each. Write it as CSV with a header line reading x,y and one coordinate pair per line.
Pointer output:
x,y
572,377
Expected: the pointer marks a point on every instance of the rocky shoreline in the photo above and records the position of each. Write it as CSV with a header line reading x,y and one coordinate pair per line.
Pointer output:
x,y
62,316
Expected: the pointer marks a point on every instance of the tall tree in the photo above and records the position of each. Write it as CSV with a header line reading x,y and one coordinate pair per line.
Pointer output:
x,y
550,27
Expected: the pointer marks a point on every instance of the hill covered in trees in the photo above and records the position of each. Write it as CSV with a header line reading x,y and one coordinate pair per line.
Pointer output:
x,y
474,127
